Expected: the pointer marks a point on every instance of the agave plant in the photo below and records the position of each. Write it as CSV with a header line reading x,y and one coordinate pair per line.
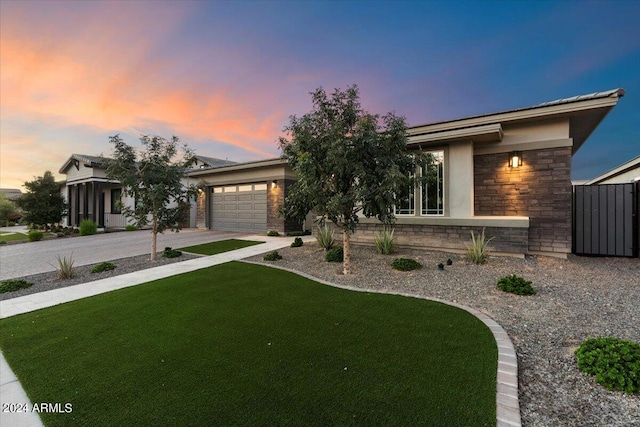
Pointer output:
x,y
478,250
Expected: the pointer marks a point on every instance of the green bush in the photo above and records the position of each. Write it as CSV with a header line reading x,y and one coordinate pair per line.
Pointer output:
x,y
478,250
384,242
405,264
14,285
65,267
273,233
35,235
272,256
103,266
130,228
335,255
171,253
88,227
614,362
325,237
297,242
516,285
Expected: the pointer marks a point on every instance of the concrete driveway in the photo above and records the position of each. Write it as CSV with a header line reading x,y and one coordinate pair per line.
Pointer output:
x,y
24,259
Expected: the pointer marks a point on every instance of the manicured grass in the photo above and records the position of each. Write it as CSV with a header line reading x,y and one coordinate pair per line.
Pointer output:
x,y
13,237
213,248
241,344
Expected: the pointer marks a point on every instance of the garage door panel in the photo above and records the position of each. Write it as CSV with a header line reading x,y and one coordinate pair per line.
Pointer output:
x,y
239,208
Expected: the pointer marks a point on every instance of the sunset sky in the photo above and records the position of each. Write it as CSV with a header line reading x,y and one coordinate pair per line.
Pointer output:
x,y
225,76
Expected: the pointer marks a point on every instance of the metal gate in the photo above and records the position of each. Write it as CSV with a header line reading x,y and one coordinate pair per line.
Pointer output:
x,y
605,219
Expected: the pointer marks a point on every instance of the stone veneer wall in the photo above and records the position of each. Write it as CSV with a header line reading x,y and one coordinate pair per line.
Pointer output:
x,y
201,221
511,240
540,189
275,199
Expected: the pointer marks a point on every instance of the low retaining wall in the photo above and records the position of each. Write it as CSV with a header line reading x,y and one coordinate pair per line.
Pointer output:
x,y
455,238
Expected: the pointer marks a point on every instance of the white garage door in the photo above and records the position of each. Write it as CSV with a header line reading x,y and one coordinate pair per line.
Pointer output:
x,y
239,208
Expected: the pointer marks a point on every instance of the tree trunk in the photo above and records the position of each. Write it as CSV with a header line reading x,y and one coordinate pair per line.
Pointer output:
x,y
346,263
154,239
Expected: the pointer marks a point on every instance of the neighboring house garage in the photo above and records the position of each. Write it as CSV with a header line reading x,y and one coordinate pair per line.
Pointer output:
x,y
244,197
239,207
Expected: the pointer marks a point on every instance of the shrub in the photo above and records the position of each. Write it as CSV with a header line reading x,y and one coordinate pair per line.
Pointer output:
x,y
75,231
65,267
60,234
88,227
516,285
479,249
35,235
273,233
335,255
171,253
14,285
103,266
614,362
3,242
384,242
272,256
405,264
297,242
325,237
130,228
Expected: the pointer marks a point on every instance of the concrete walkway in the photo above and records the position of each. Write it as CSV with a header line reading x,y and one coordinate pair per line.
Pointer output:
x,y
19,260
507,411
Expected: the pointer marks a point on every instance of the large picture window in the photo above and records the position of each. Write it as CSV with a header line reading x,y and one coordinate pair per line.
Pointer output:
x,y
428,195
116,200
433,190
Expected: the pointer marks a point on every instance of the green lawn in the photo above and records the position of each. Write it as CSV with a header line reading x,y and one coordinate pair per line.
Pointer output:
x,y
12,237
213,248
241,344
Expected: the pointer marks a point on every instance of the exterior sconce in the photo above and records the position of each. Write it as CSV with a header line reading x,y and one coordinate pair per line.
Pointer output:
x,y
515,159
274,183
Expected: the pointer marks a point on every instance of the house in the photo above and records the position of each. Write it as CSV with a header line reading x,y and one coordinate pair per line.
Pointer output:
x,y
90,194
627,172
11,193
508,173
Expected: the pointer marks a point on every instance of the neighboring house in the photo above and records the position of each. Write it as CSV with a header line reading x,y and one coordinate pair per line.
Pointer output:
x,y
508,173
90,194
11,193
627,172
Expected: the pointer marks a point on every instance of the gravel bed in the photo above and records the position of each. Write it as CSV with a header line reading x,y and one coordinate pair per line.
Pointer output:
x,y
48,281
576,299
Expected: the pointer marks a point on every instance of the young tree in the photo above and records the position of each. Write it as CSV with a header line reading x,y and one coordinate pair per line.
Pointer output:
x,y
153,178
348,162
42,204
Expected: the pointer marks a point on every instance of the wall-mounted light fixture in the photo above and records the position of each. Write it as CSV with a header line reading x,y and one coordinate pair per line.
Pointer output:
x,y
515,159
274,183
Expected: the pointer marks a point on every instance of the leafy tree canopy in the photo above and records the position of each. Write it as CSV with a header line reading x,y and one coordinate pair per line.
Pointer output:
x,y
348,162
42,204
153,178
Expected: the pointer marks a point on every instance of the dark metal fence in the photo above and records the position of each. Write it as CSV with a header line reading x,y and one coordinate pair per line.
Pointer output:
x,y
605,219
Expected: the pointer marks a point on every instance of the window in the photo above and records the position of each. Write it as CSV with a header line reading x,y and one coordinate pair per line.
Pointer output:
x,y
407,206
433,190
116,200
428,195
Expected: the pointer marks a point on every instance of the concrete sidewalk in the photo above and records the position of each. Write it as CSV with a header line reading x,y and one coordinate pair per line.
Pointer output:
x,y
11,392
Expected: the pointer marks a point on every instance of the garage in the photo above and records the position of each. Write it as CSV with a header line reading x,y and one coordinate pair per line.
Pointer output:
x,y
239,207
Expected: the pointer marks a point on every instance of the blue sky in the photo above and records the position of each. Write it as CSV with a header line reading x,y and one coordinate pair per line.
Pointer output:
x,y
225,76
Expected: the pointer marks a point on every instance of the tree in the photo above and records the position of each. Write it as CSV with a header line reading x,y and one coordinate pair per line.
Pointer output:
x,y
8,210
153,178
42,204
348,163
